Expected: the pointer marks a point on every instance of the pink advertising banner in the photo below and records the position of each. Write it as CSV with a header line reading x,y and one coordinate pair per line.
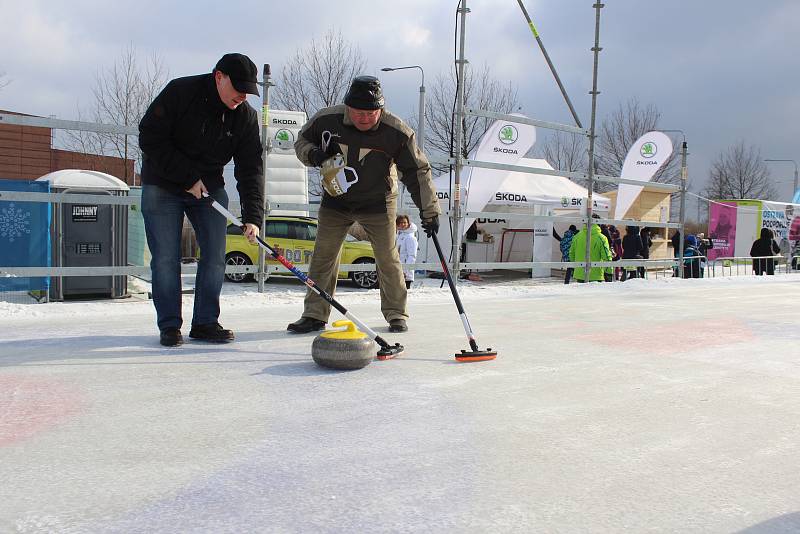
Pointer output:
x,y
722,230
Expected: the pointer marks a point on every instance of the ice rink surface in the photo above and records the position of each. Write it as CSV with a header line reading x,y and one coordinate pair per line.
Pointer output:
x,y
644,406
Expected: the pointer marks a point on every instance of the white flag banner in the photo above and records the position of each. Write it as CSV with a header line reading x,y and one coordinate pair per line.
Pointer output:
x,y
646,156
504,142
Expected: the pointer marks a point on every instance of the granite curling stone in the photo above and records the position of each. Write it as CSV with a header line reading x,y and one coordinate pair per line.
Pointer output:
x,y
343,349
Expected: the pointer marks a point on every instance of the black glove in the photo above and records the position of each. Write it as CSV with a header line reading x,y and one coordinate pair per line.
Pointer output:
x,y
316,156
430,225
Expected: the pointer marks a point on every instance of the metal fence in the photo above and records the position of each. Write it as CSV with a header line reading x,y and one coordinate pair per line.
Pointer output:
x,y
746,265
669,267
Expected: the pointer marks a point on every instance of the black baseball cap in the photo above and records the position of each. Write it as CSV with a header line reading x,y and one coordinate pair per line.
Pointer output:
x,y
364,93
241,71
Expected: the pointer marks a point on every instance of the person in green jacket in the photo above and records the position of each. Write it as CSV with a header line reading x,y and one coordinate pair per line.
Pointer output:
x,y
600,252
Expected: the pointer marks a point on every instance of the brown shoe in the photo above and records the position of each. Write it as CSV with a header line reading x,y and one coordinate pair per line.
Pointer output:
x,y
305,325
398,325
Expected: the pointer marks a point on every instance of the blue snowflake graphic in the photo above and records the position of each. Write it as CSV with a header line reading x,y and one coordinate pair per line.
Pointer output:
x,y
14,222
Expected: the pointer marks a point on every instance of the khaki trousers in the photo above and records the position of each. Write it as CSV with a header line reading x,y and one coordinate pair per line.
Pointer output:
x,y
382,233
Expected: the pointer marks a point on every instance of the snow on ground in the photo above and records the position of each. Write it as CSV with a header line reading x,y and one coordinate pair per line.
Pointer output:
x,y
661,405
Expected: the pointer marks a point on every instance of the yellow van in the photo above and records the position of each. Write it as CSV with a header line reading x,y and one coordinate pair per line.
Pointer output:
x,y
293,237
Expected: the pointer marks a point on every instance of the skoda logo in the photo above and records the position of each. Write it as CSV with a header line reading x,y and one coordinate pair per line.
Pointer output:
x,y
564,202
648,150
508,135
284,139
284,136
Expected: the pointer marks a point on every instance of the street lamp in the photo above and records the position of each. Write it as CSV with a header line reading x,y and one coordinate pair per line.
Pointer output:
x,y
421,126
794,187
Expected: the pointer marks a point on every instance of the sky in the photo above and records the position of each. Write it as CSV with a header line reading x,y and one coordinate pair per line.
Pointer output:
x,y
721,71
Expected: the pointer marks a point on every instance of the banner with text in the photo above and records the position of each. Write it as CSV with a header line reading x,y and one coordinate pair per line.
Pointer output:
x,y
722,230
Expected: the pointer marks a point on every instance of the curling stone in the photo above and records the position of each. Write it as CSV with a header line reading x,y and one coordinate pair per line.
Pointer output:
x,y
343,349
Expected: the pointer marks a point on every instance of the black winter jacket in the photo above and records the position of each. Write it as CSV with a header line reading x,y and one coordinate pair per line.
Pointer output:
x,y
188,134
632,247
763,248
647,242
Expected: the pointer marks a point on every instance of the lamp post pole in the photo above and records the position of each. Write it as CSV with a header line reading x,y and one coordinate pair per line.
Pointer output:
x,y
421,117
794,186
684,181
592,139
266,148
421,121
461,64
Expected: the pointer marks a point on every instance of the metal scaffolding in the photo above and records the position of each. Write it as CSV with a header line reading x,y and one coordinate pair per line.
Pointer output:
x,y
459,162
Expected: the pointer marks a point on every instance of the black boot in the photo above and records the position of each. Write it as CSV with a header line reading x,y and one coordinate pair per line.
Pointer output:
x,y
305,325
171,337
408,284
212,332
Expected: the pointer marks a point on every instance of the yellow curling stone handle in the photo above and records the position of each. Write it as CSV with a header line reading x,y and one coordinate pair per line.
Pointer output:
x,y
350,332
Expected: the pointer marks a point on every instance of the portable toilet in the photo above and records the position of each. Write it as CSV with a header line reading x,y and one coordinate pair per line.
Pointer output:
x,y
84,234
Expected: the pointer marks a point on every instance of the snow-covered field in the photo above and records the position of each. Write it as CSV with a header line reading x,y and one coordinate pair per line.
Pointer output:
x,y
645,406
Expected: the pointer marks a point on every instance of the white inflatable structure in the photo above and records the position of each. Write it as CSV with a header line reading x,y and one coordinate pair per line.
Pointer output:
x,y
286,176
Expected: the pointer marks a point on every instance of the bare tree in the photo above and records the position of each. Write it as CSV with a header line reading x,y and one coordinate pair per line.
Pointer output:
x,y
3,81
739,172
318,76
480,91
122,94
619,131
565,151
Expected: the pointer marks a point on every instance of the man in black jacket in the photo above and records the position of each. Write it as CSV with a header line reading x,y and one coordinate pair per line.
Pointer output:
x,y
361,148
192,129
647,242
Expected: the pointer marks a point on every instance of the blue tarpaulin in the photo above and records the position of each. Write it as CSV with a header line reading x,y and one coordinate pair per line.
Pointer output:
x,y
24,235
136,237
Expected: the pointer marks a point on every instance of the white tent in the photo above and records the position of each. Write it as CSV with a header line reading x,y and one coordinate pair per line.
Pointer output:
x,y
525,189
513,239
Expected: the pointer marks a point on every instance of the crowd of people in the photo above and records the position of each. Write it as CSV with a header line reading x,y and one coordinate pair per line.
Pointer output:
x,y
696,248
607,245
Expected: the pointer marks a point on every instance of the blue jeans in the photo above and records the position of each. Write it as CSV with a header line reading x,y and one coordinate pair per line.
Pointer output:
x,y
163,213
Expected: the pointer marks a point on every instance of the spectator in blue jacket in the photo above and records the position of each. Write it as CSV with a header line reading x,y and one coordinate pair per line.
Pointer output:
x,y
692,267
566,241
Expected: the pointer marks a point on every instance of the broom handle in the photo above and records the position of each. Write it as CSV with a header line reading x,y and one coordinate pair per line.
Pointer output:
x,y
470,335
302,276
